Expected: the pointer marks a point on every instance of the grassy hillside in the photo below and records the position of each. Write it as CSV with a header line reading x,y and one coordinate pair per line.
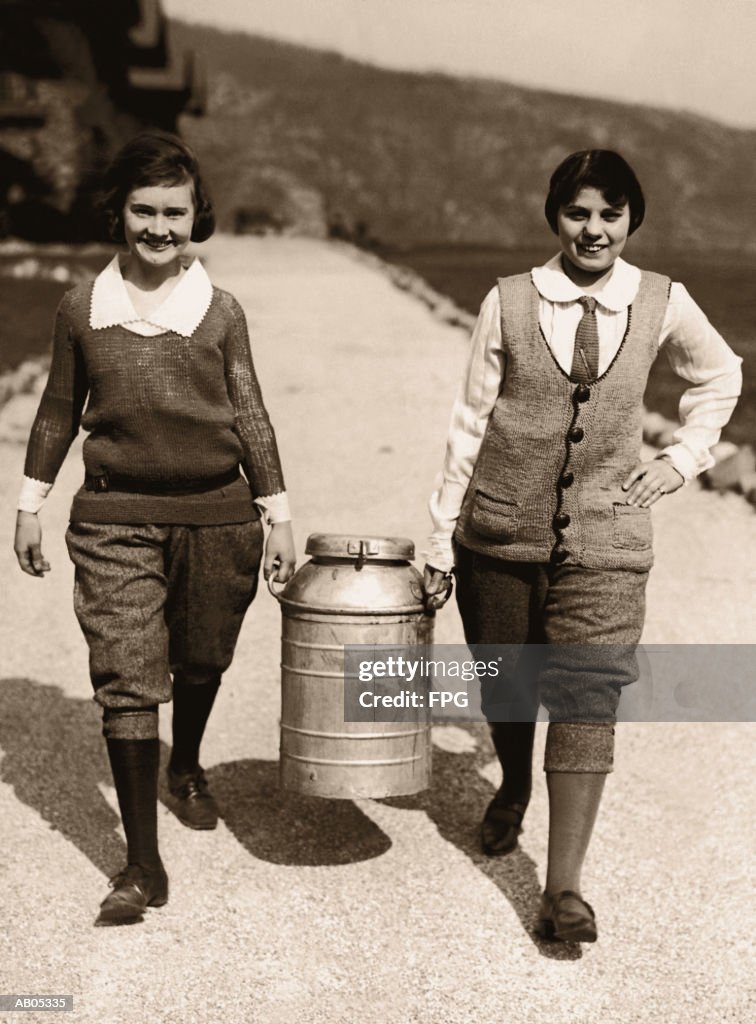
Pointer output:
x,y
303,137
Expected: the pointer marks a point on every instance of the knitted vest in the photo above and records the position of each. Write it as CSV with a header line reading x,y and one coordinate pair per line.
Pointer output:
x,y
547,484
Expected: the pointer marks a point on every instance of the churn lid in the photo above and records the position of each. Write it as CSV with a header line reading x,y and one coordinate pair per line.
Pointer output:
x,y
348,545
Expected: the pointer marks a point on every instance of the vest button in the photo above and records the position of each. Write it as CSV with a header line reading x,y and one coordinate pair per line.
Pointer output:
x,y
567,478
582,392
558,555
561,520
576,434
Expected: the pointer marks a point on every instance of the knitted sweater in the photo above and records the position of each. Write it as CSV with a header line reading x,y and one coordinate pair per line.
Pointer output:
x,y
163,410
547,485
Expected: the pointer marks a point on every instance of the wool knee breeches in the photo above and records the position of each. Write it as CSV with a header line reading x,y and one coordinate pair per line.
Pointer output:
x,y
570,635
154,600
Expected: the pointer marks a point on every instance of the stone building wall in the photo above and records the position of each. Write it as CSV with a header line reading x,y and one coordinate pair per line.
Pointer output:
x,y
77,78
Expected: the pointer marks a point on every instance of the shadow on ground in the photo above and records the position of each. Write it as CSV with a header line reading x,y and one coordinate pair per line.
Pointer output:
x,y
285,828
54,757
455,803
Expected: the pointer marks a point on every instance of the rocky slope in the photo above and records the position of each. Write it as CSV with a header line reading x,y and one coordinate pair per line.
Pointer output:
x,y
301,139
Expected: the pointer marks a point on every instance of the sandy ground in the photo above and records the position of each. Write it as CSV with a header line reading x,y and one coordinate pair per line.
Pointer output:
x,y
378,912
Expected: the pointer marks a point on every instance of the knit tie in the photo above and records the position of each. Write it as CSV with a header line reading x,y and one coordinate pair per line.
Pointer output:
x,y
585,356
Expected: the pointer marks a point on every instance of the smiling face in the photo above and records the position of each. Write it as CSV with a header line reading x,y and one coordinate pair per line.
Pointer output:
x,y
157,224
592,233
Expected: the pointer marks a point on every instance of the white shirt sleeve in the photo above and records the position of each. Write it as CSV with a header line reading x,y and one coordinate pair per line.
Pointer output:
x,y
699,354
472,408
275,508
33,494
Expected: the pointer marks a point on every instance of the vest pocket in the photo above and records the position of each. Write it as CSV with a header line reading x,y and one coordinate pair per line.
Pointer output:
x,y
494,518
632,527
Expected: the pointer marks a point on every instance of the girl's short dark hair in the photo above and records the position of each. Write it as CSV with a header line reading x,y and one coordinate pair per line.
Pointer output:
x,y
153,158
603,170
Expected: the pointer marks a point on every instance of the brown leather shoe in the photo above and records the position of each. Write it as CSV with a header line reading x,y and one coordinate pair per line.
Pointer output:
x,y
501,826
567,916
134,889
194,805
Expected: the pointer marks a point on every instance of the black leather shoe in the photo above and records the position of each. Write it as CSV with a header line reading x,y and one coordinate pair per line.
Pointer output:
x,y
567,916
134,889
501,826
194,807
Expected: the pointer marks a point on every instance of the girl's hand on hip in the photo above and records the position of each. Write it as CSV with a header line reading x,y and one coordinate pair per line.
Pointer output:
x,y
437,585
28,544
280,555
649,481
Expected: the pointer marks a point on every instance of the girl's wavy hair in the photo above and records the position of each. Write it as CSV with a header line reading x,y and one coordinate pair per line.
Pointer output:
x,y
602,169
153,158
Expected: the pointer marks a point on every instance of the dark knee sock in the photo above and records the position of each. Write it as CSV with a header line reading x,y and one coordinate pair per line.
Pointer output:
x,y
513,742
192,704
134,764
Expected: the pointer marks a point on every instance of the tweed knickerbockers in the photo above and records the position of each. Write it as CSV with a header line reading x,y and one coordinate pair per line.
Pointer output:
x,y
586,623
152,600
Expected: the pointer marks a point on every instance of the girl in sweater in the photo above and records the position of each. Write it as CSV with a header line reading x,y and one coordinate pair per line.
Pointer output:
x,y
543,511
165,532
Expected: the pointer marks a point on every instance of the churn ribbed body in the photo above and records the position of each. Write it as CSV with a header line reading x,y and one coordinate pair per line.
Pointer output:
x,y
354,590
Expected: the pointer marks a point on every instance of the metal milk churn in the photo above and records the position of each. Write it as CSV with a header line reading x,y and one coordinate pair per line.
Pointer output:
x,y
354,590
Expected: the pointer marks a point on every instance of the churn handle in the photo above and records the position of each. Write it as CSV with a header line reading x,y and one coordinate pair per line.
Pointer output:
x,y
271,588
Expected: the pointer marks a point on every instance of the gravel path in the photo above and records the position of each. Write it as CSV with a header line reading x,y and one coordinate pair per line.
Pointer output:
x,y
374,912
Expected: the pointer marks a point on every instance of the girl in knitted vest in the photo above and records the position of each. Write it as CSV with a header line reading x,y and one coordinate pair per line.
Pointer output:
x,y
543,511
165,532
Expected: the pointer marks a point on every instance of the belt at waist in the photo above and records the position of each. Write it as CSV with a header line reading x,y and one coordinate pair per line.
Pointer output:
x,y
103,482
